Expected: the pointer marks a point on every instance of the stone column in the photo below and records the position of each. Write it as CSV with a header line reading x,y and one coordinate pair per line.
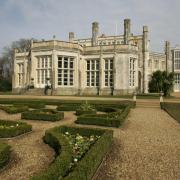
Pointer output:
x,y
95,31
101,69
145,58
54,68
127,30
14,74
168,57
71,36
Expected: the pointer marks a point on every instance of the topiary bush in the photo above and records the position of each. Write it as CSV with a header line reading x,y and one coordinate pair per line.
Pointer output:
x,y
87,165
85,108
43,114
13,128
4,154
14,109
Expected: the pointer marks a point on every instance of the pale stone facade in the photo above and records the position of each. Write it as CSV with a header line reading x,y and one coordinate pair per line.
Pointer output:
x,y
176,67
100,65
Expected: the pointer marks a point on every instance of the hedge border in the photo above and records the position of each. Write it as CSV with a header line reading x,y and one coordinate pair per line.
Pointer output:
x,y
22,128
14,109
116,120
38,115
5,151
87,166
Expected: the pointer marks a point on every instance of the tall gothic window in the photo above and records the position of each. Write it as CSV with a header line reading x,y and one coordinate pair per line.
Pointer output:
x,y
44,64
177,60
132,72
92,72
20,73
108,72
65,71
177,82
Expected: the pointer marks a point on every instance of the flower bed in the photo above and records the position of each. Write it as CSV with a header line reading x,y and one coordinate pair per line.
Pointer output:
x,y
79,152
13,128
4,154
112,119
43,114
14,109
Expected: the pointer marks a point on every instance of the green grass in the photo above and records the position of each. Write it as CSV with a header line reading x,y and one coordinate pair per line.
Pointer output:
x,y
173,109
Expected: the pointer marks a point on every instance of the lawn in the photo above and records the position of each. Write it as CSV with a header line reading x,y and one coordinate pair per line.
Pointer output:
x,y
172,109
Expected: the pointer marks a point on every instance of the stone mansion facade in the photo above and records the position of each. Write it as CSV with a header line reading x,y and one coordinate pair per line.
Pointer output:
x,y
100,65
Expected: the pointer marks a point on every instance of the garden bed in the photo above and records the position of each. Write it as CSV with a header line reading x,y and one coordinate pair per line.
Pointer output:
x,y
79,152
114,117
4,154
173,109
13,128
12,109
43,114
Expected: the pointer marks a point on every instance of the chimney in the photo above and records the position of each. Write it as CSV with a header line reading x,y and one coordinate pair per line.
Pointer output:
x,y
127,30
95,31
71,36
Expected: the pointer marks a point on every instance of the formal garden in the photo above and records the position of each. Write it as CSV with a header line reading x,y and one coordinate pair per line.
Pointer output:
x,y
79,151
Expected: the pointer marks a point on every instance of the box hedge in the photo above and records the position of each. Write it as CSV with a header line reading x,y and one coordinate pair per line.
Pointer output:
x,y
4,154
43,114
87,166
14,109
31,105
113,119
13,128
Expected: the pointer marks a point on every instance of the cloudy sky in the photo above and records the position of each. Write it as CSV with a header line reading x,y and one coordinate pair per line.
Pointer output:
x,y
41,19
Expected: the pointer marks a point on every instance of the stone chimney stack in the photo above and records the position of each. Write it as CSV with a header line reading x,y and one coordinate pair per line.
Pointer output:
x,y
71,36
95,32
145,52
168,57
127,30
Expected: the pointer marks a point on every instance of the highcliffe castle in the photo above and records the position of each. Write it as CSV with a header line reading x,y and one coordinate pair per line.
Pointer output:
x,y
99,65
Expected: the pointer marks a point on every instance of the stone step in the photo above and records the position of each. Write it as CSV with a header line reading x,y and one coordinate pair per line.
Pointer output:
x,y
148,104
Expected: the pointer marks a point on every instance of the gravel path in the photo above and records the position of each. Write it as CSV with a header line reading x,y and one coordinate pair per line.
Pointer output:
x,y
29,154
147,147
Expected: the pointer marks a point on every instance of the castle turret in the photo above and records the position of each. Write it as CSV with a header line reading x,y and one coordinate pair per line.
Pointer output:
x,y
71,36
168,57
145,50
95,31
127,30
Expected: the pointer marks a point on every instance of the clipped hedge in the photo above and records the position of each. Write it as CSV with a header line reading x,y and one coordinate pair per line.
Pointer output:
x,y
14,109
31,105
87,166
43,114
4,154
13,128
113,119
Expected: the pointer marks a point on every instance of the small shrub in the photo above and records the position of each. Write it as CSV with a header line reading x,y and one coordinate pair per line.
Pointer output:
x,y
4,154
13,128
43,114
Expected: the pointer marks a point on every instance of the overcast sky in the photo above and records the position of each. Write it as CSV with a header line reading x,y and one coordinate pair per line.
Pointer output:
x,y
41,19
